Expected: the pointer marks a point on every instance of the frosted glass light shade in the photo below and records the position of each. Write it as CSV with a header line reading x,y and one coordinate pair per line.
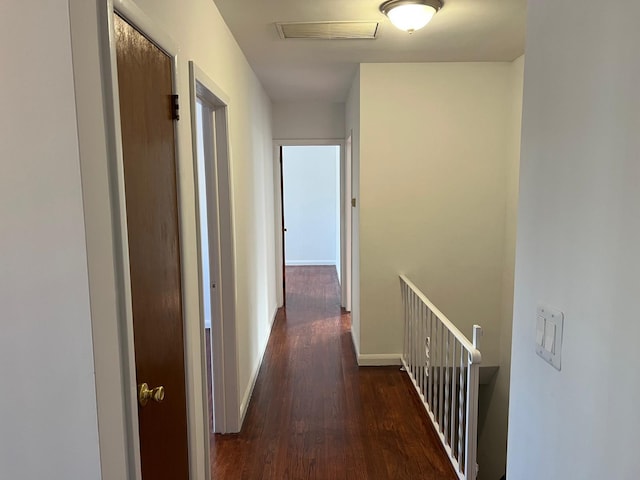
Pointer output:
x,y
410,15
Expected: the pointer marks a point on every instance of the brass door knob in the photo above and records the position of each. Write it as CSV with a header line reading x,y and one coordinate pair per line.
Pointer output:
x,y
145,394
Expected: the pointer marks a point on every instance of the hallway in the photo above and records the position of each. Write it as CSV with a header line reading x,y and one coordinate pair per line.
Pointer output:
x,y
315,415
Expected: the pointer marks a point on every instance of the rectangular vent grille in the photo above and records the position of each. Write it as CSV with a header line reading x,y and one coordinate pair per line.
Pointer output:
x,y
328,30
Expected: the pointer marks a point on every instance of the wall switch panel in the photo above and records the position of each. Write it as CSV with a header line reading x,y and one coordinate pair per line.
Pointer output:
x,y
549,323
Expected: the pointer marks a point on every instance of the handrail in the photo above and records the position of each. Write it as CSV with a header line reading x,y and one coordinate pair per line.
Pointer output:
x,y
474,354
444,367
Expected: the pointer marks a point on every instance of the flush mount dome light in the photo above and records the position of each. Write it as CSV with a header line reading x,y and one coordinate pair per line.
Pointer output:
x,y
410,15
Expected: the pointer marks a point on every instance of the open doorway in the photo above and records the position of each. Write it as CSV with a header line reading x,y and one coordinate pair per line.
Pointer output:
x,y
209,248
311,200
215,254
348,202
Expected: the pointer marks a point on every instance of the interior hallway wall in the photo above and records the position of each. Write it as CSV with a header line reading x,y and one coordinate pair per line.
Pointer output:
x,y
438,189
578,245
308,120
199,30
48,418
433,189
294,123
494,397
352,128
311,202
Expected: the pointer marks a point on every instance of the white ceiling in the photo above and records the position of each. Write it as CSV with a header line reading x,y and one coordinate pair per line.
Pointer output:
x,y
291,70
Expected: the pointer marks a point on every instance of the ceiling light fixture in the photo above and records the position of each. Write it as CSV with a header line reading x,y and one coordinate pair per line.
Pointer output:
x,y
410,15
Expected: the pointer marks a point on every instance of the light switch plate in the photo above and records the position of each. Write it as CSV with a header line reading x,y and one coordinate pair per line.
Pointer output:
x,y
551,348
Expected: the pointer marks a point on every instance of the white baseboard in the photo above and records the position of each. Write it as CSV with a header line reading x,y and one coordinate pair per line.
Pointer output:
x,y
379,360
306,263
254,377
355,344
375,360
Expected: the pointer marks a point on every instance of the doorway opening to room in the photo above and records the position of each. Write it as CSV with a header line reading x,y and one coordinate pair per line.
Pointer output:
x,y
312,216
215,254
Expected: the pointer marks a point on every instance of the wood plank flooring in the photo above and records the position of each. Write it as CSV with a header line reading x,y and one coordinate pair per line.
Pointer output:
x,y
315,415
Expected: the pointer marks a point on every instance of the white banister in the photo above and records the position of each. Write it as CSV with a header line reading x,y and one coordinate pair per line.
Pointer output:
x,y
444,367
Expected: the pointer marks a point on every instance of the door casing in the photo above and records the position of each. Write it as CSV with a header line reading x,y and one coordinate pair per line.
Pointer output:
x,y
279,227
102,184
225,367
136,17
346,208
152,208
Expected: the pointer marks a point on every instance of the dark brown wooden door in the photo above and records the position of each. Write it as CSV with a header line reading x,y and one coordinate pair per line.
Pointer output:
x,y
148,144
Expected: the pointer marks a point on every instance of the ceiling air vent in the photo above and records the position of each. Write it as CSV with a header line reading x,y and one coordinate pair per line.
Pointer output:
x,y
328,30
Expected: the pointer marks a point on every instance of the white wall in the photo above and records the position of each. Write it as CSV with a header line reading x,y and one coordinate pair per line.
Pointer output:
x,y
198,28
203,214
494,397
352,127
308,120
577,248
311,199
101,245
438,187
433,189
296,123
204,38
339,221
48,419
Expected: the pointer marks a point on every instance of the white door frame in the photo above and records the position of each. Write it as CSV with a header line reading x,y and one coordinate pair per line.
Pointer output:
x,y
277,144
219,207
133,14
347,213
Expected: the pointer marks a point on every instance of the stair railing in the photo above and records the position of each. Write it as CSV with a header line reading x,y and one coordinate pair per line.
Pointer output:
x,y
443,366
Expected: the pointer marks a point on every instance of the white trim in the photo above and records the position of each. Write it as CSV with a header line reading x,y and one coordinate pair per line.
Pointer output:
x,y
122,255
89,32
356,349
136,16
221,98
246,398
277,143
347,219
474,353
310,142
224,342
310,263
278,225
379,360
133,14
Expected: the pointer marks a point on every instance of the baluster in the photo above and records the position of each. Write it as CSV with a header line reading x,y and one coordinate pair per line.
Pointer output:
x,y
447,400
411,334
436,368
416,314
452,440
415,335
418,336
441,387
425,313
423,353
429,356
461,410
403,290
406,326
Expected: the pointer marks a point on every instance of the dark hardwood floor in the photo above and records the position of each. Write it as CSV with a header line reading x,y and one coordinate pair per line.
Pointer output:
x,y
315,415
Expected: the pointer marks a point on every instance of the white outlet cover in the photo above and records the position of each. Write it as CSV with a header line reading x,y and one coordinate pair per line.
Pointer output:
x,y
554,322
